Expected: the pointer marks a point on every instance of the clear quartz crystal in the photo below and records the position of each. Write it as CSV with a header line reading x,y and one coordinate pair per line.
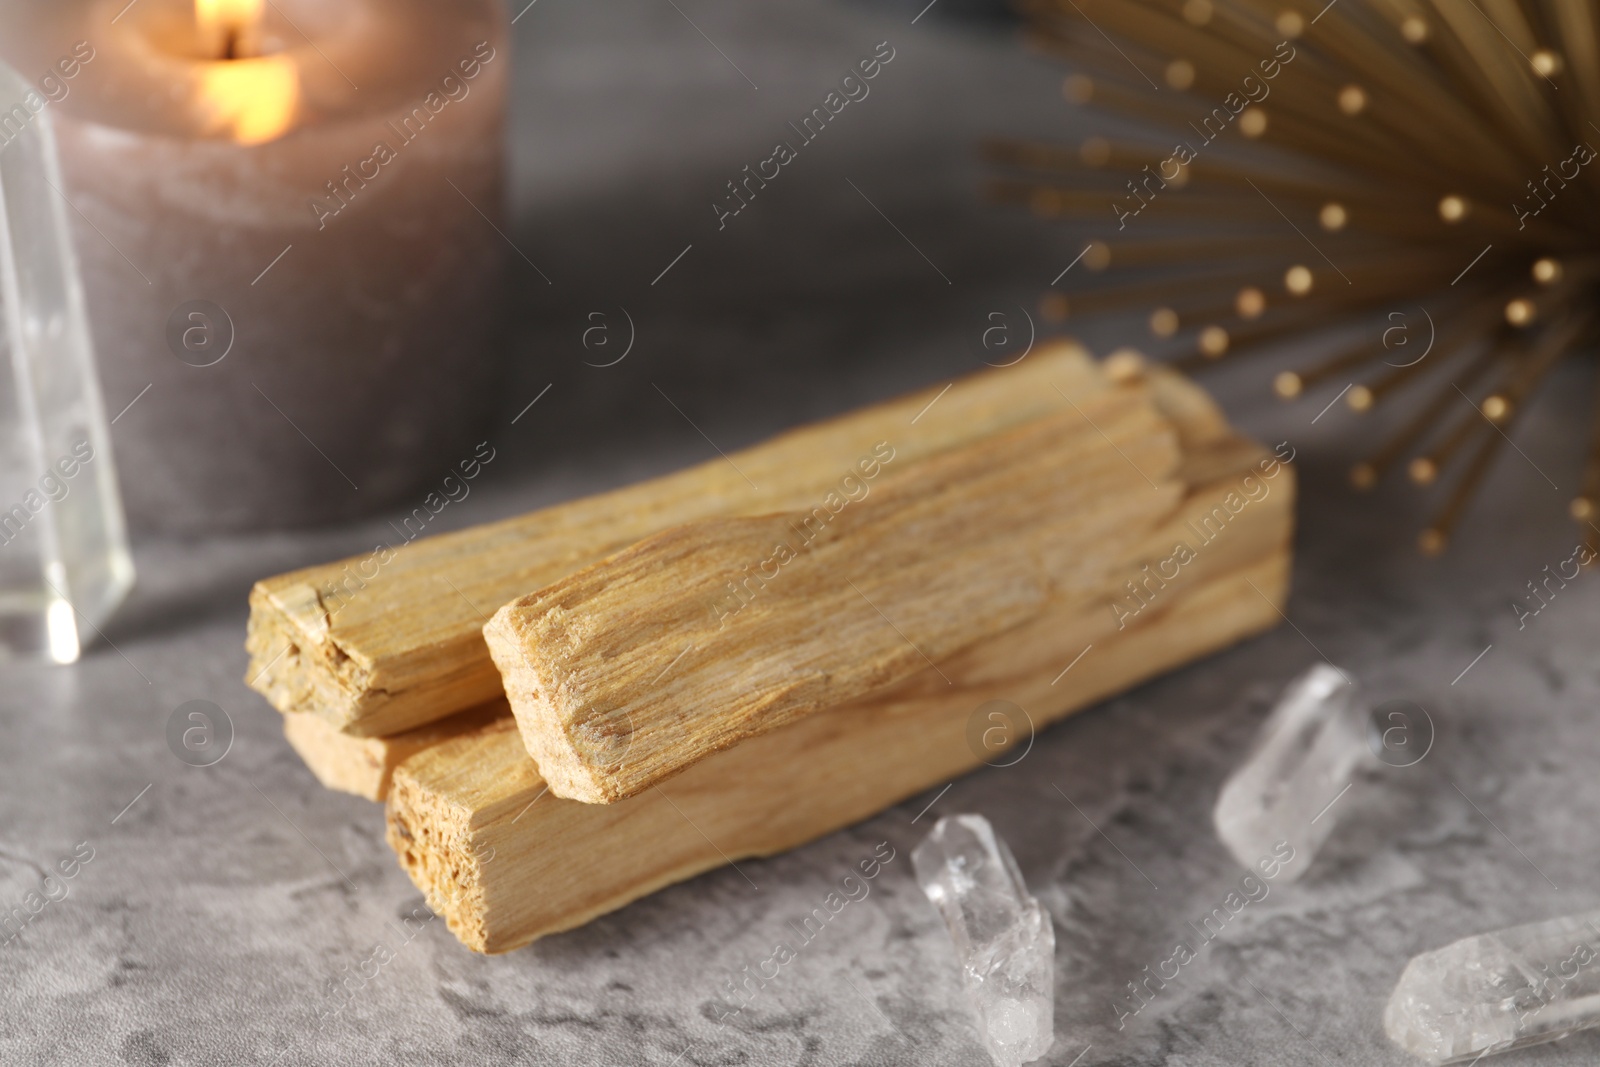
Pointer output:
x,y
64,564
1004,938
1304,758
1499,991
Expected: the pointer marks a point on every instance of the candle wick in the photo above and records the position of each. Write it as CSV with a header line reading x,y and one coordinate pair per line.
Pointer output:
x,y
230,43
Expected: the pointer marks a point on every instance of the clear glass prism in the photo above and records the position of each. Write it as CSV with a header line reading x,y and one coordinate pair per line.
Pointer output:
x,y
1002,934
64,562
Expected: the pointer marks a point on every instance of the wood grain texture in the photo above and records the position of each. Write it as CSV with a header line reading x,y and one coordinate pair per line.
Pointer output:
x,y
381,647
709,633
365,765
474,824
506,862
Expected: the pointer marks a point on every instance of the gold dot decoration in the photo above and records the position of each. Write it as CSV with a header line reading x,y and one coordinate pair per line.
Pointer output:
x,y
1250,302
1352,100
1124,365
1396,189
1545,63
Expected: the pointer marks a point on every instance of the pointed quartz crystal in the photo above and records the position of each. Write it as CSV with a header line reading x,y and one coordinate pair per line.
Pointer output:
x,y
64,562
1004,938
1499,991
1304,758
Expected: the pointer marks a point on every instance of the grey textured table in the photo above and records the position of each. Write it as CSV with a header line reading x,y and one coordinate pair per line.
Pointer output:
x,y
222,903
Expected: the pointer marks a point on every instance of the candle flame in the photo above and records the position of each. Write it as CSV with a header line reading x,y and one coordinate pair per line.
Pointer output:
x,y
249,96
226,22
236,12
229,29
253,100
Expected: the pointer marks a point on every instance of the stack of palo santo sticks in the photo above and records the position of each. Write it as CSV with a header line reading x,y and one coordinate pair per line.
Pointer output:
x,y
746,655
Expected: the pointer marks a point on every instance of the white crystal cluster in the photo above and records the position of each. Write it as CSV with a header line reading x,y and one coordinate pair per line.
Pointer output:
x,y
1004,938
1499,991
1304,758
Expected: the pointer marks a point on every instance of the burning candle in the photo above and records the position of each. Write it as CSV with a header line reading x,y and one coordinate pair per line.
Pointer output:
x,y
289,217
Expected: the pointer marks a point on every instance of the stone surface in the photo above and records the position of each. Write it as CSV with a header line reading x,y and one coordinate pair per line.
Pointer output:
x,y
1003,938
1289,785
223,907
1499,991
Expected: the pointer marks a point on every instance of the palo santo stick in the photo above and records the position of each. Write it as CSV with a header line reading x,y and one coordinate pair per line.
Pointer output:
x,y
365,765
506,864
378,649
628,671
